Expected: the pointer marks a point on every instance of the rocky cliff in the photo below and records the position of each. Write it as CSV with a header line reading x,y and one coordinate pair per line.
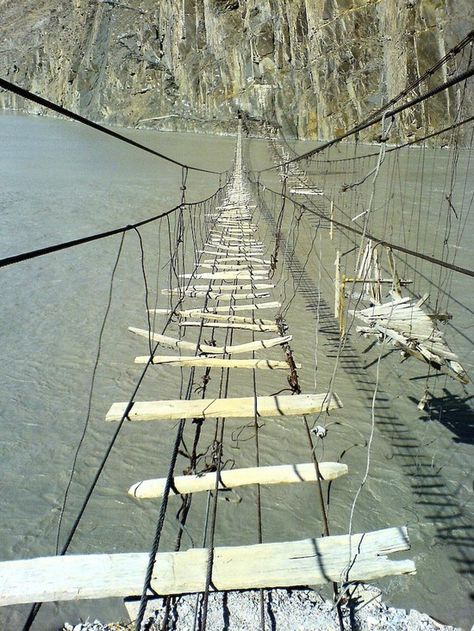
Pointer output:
x,y
314,66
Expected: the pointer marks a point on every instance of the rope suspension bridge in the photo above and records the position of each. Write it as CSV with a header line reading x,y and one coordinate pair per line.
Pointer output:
x,y
244,289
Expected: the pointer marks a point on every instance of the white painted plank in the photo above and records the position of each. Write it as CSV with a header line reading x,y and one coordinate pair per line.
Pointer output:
x,y
283,564
234,478
238,407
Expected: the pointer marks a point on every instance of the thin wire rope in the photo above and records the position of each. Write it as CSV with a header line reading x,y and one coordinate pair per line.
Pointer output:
x,y
31,254
35,98
387,114
394,246
36,606
91,392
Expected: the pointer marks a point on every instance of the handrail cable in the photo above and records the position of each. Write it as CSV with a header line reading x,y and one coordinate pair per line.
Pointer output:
x,y
393,246
17,258
35,98
388,114
409,143
125,416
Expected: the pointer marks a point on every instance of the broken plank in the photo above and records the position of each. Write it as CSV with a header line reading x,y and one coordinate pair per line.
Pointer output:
x,y
234,478
171,342
358,557
239,407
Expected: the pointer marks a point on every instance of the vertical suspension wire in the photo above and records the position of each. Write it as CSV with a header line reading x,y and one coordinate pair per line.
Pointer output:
x,y
91,390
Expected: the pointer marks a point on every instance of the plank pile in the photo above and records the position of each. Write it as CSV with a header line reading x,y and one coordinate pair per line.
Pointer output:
x,y
415,332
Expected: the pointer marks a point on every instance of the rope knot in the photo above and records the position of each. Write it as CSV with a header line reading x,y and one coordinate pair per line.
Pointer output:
x,y
320,431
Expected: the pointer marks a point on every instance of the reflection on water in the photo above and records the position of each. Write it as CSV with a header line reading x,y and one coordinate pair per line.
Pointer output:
x,y
60,182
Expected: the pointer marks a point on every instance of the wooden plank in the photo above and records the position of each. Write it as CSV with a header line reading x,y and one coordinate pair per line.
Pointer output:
x,y
239,407
225,256
306,191
215,362
258,306
222,317
171,342
226,297
215,310
230,297
231,267
234,478
226,275
238,248
234,240
232,325
235,259
217,287
267,565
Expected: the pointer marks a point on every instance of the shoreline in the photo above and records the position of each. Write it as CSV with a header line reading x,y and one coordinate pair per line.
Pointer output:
x,y
300,609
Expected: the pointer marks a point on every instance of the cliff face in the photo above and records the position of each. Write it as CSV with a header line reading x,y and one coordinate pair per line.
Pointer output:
x,y
314,66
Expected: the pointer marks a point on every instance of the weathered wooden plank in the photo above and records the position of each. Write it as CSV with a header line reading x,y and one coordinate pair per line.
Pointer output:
x,y
234,478
226,297
177,291
260,306
215,362
230,297
222,267
236,259
238,240
171,342
283,564
224,309
219,287
232,325
247,275
222,317
224,256
239,407
237,248
306,191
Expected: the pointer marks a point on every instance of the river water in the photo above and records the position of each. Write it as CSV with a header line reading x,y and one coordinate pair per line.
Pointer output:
x,y
60,181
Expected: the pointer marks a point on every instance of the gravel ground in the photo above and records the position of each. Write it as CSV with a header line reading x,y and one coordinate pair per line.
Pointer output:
x,y
285,610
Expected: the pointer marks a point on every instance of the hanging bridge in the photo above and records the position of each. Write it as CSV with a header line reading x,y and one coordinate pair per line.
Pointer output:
x,y
247,270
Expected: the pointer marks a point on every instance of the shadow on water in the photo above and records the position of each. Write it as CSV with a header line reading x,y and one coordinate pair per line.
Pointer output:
x,y
436,502
455,413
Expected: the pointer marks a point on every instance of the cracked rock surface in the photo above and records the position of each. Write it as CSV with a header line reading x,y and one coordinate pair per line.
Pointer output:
x,y
314,66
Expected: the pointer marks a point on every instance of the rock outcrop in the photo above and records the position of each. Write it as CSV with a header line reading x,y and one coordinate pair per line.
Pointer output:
x,y
316,67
